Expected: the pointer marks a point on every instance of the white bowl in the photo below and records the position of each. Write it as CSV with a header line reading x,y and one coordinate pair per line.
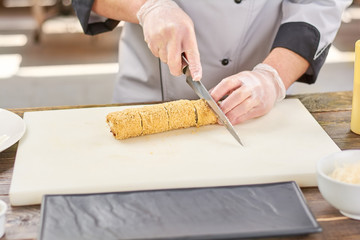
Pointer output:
x,y
3,209
341,195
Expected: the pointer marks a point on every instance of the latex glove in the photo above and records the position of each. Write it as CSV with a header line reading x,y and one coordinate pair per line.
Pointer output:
x,y
250,93
169,32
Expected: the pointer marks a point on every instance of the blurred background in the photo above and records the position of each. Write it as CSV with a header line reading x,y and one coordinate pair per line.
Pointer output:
x,y
46,60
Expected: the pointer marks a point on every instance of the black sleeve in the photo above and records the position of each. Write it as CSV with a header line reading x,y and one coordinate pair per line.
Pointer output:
x,y
83,11
303,39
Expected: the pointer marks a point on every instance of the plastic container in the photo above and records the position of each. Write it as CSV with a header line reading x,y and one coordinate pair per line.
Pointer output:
x,y
355,113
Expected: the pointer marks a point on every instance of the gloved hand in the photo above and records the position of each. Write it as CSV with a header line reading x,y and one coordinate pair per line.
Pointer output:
x,y
169,32
250,93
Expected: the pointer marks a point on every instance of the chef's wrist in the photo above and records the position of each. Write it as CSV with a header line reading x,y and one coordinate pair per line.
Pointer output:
x,y
120,10
150,5
290,65
271,74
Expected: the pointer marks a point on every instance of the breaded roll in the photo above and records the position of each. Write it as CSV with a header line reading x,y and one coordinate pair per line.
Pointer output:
x,y
154,119
204,114
125,124
133,122
181,114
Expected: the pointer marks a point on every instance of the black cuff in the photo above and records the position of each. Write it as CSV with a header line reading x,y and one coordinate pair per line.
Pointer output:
x,y
303,39
100,27
83,10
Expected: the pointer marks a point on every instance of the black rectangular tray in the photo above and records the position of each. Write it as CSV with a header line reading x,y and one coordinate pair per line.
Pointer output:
x,y
247,211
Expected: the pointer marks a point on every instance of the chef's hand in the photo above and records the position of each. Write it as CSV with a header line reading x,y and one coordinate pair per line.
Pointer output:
x,y
169,32
250,93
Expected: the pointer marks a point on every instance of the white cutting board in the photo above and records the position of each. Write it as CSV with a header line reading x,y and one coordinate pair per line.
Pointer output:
x,y
73,151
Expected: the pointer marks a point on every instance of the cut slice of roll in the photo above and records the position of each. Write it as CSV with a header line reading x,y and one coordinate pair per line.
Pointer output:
x,y
133,122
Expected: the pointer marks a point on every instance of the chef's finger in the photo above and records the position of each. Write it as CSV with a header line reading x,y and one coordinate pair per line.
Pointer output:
x,y
210,90
154,49
195,68
226,86
252,113
163,55
192,54
235,98
174,57
235,115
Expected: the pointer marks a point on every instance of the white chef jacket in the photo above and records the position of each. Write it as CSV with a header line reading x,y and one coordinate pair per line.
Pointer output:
x,y
232,36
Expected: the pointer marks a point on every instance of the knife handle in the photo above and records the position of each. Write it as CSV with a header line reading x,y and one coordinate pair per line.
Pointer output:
x,y
185,63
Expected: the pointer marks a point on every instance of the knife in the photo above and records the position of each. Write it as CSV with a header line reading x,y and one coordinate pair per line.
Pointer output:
x,y
201,91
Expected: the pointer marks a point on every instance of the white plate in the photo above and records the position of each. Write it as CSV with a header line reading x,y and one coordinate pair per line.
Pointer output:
x,y
12,128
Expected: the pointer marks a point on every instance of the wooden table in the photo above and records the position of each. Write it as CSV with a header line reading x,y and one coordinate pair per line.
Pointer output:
x,y
331,110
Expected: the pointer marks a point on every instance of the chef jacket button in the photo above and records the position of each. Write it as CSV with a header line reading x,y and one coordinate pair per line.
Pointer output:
x,y
237,1
225,61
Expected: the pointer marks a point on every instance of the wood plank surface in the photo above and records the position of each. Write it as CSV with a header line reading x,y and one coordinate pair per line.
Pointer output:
x,y
328,102
331,110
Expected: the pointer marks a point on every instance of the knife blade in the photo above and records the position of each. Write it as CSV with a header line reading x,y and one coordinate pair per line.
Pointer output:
x,y
202,92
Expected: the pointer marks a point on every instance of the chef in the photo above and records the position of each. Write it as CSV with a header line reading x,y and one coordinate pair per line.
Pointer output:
x,y
248,52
